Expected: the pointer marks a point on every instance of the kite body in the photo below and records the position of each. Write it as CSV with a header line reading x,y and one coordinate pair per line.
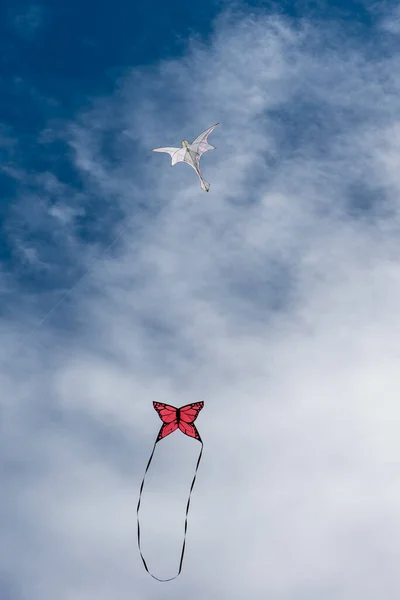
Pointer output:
x,y
191,153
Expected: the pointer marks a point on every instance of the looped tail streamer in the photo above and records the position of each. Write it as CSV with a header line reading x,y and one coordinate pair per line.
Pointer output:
x,y
173,418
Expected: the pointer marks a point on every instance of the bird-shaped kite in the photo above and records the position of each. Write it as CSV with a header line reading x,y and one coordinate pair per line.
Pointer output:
x,y
191,153
182,418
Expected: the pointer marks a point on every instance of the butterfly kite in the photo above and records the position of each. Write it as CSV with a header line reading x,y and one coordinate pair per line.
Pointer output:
x,y
191,153
174,418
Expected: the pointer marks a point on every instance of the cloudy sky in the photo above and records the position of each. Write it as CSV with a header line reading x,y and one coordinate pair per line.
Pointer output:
x,y
274,298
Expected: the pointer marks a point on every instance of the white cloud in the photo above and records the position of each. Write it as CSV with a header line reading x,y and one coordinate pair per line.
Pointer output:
x,y
274,298
391,22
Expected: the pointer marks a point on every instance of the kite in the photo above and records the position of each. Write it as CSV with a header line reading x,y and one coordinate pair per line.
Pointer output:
x,y
191,153
173,418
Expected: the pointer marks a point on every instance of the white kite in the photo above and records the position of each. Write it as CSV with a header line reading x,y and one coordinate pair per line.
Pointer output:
x,y
191,153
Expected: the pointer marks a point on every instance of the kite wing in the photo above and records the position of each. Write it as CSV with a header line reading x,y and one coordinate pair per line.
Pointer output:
x,y
169,416
177,154
189,412
187,416
200,144
166,412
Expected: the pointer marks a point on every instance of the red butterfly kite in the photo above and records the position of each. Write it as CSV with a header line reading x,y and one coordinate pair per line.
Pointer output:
x,y
174,418
182,418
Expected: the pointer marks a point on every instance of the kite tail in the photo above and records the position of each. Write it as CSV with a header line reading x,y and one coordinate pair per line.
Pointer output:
x,y
186,515
204,184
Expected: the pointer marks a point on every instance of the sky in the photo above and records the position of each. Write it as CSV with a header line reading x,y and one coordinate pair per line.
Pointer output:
x,y
273,298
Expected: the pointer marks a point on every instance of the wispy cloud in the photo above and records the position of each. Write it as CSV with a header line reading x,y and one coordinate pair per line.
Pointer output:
x,y
391,21
274,298
28,21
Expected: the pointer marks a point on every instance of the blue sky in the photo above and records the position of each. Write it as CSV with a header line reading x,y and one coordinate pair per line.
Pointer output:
x,y
56,62
274,298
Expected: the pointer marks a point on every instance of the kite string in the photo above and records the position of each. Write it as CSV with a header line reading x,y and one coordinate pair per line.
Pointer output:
x,y
71,290
186,514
